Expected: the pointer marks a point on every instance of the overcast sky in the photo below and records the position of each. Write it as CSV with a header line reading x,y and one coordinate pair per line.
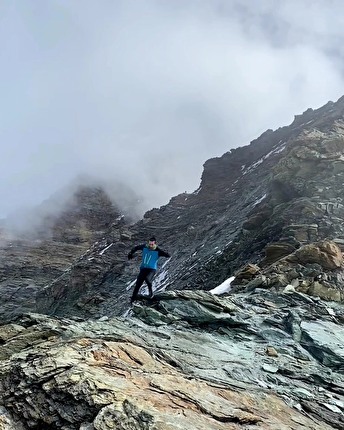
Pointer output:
x,y
146,90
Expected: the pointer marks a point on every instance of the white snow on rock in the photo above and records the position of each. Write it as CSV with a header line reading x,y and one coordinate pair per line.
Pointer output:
x,y
105,249
161,278
130,284
289,289
224,287
277,150
259,200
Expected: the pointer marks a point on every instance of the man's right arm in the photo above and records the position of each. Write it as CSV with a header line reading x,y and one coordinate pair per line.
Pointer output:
x,y
136,248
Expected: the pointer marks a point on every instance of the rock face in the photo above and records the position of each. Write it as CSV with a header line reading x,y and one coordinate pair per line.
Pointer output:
x,y
257,204
87,217
29,263
268,354
188,360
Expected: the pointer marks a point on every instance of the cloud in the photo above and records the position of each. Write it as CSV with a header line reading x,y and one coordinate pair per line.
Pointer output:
x,y
145,91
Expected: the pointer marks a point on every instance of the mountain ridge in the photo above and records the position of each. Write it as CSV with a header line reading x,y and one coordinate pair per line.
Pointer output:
x,y
266,354
248,198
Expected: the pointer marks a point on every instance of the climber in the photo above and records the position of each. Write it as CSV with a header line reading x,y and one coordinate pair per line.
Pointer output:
x,y
150,255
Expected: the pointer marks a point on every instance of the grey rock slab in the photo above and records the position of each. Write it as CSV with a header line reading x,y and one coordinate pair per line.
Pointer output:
x,y
85,360
152,316
332,408
9,330
198,313
325,341
270,368
7,422
303,393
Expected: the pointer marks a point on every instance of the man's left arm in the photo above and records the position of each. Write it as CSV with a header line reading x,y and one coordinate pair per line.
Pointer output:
x,y
163,253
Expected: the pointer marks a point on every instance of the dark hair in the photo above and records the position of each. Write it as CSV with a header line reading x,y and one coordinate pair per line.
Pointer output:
x,y
152,239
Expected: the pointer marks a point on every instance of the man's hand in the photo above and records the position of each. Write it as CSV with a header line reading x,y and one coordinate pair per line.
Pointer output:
x,y
130,256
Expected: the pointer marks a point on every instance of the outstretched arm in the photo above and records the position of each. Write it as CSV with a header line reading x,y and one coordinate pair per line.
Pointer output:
x,y
136,248
163,253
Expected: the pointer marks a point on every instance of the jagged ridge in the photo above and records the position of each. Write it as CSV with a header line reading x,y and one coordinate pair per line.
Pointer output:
x,y
282,190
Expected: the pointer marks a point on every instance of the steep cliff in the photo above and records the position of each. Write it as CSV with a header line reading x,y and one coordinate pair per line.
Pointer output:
x,y
255,204
32,260
267,354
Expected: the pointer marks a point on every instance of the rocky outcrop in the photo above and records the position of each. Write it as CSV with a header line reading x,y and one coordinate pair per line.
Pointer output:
x,y
88,215
268,354
255,205
315,269
185,360
327,254
30,262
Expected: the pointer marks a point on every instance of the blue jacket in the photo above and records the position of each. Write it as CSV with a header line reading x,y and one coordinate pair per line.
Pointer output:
x,y
149,256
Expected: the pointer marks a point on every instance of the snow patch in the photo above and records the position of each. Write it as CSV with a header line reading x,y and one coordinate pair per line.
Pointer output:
x,y
105,249
260,161
259,200
224,287
161,279
277,151
130,284
194,265
126,313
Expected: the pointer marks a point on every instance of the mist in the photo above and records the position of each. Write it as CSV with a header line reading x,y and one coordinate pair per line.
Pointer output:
x,y
144,92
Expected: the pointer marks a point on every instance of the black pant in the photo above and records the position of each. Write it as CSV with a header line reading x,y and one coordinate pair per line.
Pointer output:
x,y
145,275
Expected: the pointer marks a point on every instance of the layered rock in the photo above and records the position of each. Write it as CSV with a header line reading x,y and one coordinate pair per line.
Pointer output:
x,y
189,359
269,354
315,269
36,259
256,204
88,215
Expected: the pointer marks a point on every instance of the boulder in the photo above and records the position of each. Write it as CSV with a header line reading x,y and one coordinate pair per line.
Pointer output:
x,y
302,232
277,250
325,292
324,339
325,253
247,272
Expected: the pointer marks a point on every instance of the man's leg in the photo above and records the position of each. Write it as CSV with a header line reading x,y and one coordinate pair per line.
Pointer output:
x,y
139,281
149,281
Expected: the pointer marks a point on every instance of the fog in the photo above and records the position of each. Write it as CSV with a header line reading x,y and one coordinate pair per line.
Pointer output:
x,y
144,92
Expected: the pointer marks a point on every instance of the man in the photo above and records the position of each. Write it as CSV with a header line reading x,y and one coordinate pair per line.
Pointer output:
x,y
150,255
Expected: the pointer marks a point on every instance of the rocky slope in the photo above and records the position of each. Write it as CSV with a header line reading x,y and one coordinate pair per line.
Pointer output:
x,y
257,360
255,204
268,354
33,260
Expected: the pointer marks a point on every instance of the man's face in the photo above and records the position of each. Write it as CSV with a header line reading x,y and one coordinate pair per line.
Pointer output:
x,y
152,244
